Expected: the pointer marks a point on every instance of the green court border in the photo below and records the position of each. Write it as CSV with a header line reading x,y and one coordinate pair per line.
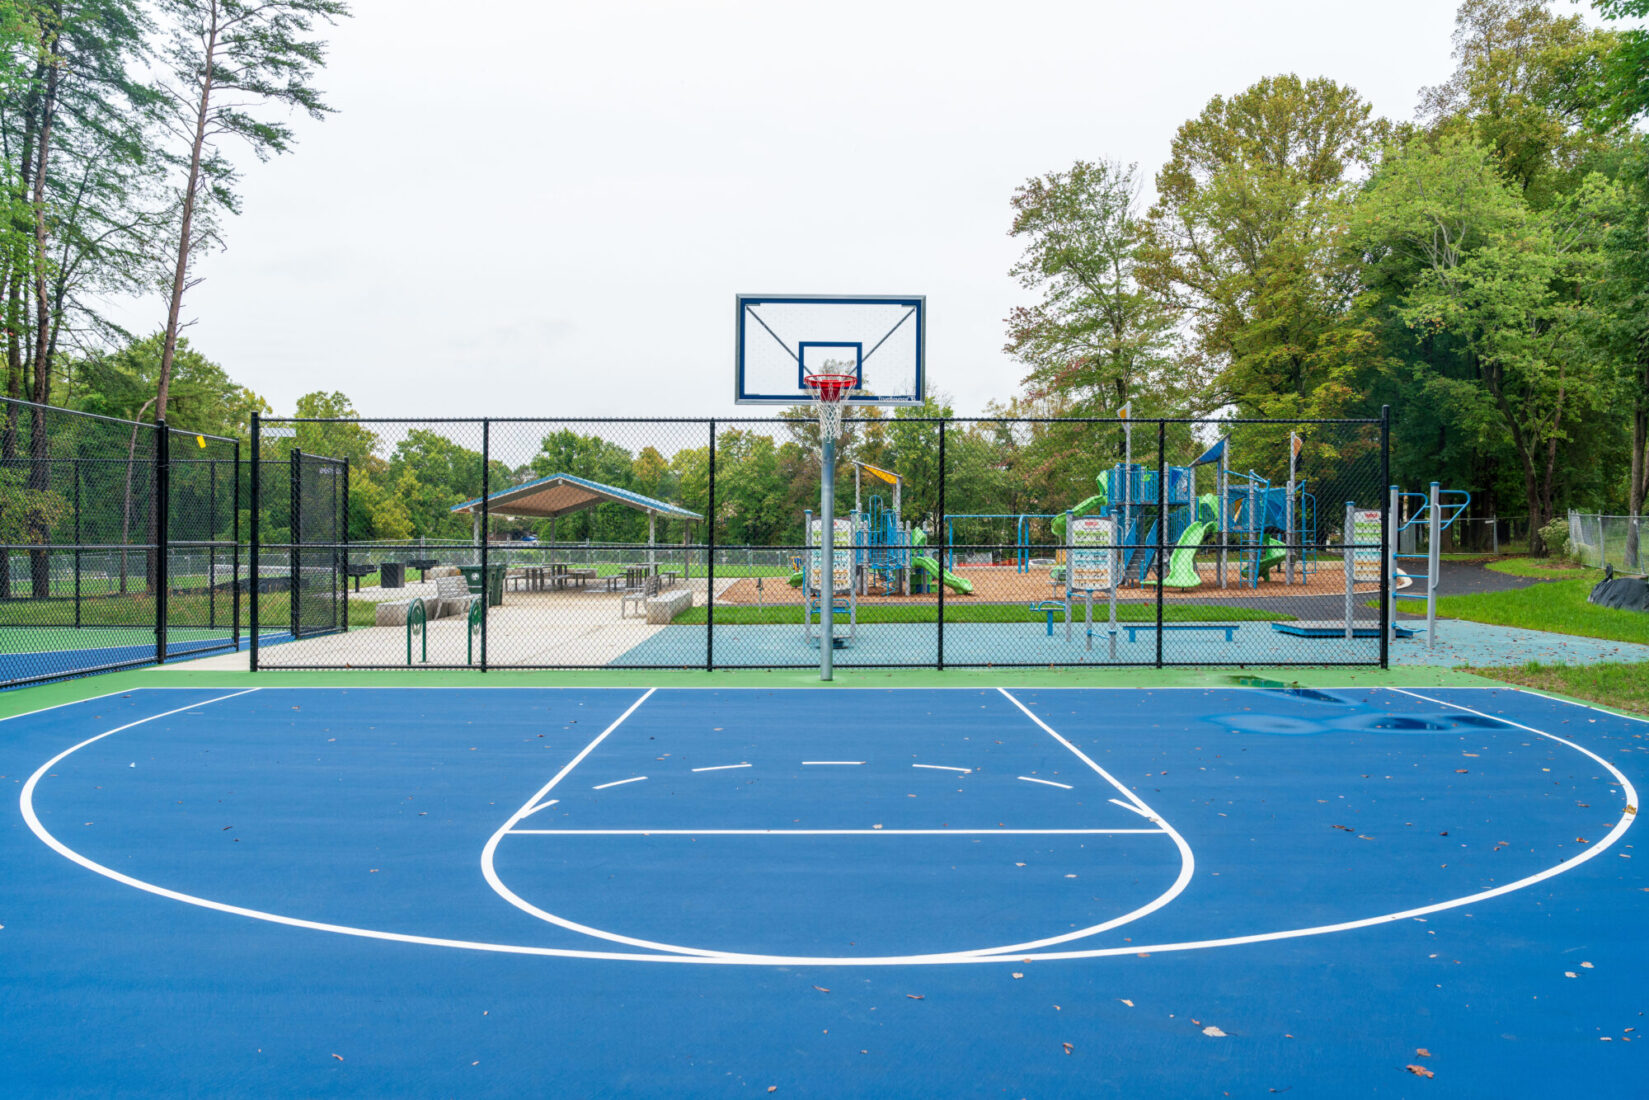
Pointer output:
x,y
25,700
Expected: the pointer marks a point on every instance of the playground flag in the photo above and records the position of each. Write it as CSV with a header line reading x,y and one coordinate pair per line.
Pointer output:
x,y
1213,454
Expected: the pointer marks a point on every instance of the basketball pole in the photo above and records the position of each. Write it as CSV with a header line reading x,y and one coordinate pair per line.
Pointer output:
x,y
827,551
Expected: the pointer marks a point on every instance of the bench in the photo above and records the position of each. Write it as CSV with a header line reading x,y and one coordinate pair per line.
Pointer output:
x,y
392,612
452,597
638,590
664,607
1228,629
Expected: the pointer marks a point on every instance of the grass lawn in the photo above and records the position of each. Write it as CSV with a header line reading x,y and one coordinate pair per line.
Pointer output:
x,y
1623,687
1546,569
787,614
1560,607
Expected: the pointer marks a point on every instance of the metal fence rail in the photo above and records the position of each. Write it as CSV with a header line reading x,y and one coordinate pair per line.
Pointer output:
x,y
678,543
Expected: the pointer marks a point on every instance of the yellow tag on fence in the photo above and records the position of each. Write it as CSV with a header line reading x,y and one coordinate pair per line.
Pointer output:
x,y
201,439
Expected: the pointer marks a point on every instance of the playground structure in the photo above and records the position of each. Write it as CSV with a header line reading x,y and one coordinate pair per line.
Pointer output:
x,y
1256,527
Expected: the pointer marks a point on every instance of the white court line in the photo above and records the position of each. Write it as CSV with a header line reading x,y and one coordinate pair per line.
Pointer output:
x,y
618,782
832,832
944,768
831,763
95,698
1188,862
1519,689
541,806
721,767
1049,783
26,803
1129,807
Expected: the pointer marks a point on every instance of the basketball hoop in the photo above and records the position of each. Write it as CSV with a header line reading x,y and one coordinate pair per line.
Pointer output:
x,y
828,393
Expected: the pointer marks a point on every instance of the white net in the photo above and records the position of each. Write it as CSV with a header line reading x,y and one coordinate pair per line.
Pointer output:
x,y
830,395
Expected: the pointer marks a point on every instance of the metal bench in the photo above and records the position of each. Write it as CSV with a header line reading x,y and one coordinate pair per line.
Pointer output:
x,y
1228,629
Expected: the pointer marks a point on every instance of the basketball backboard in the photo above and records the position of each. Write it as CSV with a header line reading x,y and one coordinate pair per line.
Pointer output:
x,y
780,338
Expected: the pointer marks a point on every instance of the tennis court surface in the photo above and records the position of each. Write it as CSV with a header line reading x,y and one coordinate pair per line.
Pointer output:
x,y
403,891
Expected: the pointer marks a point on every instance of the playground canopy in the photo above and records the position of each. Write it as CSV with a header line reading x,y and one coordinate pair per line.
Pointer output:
x,y
563,494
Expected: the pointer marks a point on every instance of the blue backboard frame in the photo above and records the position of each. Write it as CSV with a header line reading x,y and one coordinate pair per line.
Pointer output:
x,y
749,329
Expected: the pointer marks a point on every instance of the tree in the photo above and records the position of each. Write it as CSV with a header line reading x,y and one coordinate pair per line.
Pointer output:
x,y
1626,70
1097,339
1527,84
1246,237
1504,282
228,58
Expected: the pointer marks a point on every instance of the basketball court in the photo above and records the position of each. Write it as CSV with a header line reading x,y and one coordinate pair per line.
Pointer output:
x,y
1027,890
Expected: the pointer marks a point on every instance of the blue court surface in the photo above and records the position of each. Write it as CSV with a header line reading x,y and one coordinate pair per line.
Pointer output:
x,y
72,659
303,891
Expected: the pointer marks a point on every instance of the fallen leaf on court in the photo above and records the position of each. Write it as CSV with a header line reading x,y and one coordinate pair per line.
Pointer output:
x,y
821,989
1017,974
1068,1047
1581,840
1460,771
1420,1071
914,996
1126,1001
1213,1032
1587,966
1422,1052
1347,828
772,1088
877,826
339,1057
1570,974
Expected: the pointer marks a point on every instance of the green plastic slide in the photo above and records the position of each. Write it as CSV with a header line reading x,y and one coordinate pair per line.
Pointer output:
x,y
952,581
1092,504
1182,566
1273,557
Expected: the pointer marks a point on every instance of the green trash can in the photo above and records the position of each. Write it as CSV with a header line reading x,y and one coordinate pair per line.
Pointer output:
x,y
495,582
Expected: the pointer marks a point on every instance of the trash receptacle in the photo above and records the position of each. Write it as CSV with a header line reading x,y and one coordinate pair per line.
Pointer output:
x,y
495,582
391,574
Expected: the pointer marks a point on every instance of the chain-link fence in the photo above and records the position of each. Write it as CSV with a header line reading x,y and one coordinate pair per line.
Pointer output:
x,y
1599,540
516,543
119,543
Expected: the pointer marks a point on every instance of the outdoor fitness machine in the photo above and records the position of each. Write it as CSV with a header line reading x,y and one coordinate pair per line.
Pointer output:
x,y
1434,512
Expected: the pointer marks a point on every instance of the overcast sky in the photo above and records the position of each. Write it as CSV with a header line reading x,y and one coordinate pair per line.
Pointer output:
x,y
529,208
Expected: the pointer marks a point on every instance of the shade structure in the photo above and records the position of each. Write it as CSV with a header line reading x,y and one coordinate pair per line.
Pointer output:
x,y
564,494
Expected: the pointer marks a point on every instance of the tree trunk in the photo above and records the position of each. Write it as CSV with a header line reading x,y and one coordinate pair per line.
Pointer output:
x,y
180,273
39,442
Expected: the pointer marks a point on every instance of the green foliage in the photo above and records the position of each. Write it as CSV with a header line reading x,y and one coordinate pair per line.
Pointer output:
x,y
1555,537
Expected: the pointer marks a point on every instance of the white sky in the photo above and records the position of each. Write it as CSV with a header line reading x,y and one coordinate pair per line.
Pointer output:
x,y
545,209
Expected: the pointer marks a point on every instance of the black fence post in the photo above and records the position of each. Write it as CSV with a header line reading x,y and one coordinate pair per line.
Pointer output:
x,y
1385,536
254,576
710,562
1162,525
939,547
486,537
163,533
76,462
211,543
234,553
340,557
294,536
